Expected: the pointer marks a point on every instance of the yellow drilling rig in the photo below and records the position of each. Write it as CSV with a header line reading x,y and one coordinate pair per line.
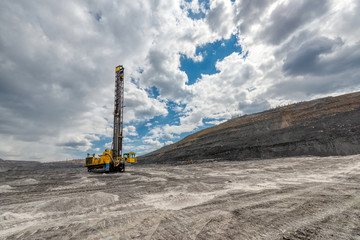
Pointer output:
x,y
114,159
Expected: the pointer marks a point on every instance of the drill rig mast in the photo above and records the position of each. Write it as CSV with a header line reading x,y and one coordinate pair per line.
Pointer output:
x,y
114,160
118,112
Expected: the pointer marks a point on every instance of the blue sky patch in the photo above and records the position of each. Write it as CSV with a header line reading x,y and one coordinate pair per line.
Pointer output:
x,y
172,118
200,14
196,16
153,92
211,53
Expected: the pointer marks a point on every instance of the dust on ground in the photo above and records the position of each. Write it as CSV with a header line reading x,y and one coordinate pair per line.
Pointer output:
x,y
287,198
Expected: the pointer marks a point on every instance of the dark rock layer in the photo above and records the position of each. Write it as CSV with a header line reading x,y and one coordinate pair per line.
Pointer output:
x,y
323,127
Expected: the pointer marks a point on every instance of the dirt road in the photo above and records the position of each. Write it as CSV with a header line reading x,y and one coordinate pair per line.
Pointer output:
x,y
288,198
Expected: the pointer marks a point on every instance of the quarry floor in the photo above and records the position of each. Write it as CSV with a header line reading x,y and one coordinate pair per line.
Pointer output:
x,y
288,198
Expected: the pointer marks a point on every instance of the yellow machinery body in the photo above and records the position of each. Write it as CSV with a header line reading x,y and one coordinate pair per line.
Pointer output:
x,y
130,157
107,162
101,160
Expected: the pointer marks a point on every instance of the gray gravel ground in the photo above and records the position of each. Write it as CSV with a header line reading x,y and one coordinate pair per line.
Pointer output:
x,y
287,198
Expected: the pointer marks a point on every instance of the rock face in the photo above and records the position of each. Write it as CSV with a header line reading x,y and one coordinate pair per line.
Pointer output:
x,y
322,127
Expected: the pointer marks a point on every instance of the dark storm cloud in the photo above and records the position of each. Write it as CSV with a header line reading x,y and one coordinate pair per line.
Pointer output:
x,y
306,87
218,19
73,144
306,59
53,63
319,66
286,18
40,97
248,12
292,44
322,57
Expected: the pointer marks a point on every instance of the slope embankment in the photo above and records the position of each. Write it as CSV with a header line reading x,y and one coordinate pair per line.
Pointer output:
x,y
322,127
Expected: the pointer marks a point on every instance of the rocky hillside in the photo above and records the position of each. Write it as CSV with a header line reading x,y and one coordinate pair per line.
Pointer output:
x,y
322,127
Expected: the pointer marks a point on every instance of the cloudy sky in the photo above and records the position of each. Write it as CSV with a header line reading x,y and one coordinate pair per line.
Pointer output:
x,y
188,65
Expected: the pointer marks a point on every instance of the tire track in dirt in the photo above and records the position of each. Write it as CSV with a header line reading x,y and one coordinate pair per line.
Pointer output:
x,y
293,198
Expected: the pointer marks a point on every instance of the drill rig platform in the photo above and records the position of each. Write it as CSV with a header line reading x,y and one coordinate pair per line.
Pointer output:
x,y
114,160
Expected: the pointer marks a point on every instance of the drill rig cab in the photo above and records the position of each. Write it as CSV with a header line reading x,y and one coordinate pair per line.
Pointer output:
x,y
130,157
112,160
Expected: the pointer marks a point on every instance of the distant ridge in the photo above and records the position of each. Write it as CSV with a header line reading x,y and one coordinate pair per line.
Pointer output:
x,y
322,127
12,165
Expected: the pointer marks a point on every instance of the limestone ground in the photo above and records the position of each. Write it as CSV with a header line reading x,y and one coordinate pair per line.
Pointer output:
x,y
287,198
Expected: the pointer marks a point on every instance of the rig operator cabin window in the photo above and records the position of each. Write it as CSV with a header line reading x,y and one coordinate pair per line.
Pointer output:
x,y
132,155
